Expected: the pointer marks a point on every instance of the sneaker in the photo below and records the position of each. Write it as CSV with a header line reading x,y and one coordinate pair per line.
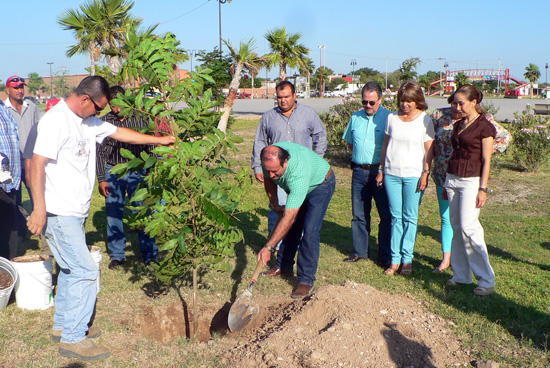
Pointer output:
x,y
85,350
115,263
92,333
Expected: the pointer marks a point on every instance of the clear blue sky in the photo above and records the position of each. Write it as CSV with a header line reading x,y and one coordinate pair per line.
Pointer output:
x,y
467,33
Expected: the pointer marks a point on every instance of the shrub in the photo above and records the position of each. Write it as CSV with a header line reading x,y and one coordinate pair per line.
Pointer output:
x,y
531,144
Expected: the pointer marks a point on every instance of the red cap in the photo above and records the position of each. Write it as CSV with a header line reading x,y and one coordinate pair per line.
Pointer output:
x,y
15,81
51,103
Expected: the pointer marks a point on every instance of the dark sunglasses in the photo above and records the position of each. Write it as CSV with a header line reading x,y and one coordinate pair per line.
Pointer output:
x,y
15,80
97,108
365,102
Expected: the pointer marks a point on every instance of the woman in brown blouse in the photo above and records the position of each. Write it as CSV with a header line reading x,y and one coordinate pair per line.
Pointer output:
x,y
466,189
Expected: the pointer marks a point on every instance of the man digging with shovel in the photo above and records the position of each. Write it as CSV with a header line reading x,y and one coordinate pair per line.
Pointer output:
x,y
309,182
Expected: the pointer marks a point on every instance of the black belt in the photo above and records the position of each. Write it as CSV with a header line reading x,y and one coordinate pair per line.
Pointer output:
x,y
364,166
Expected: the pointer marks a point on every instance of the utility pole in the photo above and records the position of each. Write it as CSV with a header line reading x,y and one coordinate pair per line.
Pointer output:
x,y
321,67
353,64
386,72
51,80
192,53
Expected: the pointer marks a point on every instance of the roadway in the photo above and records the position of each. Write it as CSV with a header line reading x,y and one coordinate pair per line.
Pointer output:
x,y
507,106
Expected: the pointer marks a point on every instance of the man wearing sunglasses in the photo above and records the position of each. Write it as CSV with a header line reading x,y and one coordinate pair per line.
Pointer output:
x,y
62,182
27,115
365,136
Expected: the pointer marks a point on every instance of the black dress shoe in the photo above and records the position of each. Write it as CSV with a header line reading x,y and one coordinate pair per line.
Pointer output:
x,y
353,259
115,263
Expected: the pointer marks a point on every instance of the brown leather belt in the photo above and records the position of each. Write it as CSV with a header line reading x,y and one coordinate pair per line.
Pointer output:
x,y
364,166
328,174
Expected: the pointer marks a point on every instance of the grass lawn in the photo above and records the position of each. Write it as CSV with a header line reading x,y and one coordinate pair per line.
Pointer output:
x,y
511,327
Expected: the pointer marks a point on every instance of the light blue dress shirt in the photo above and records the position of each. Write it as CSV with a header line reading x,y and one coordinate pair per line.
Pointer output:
x,y
366,134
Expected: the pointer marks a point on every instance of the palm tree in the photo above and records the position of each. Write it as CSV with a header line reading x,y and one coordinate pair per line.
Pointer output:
x,y
243,58
99,26
285,50
532,73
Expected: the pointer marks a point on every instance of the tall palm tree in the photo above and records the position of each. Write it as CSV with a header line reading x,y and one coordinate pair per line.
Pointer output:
x,y
285,50
532,73
99,26
243,58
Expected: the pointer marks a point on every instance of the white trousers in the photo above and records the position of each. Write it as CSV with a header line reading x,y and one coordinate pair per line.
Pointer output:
x,y
468,249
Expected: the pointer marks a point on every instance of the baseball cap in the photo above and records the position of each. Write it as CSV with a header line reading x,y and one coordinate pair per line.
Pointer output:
x,y
15,81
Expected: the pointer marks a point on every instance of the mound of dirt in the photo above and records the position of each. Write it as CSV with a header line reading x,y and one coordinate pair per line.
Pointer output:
x,y
353,325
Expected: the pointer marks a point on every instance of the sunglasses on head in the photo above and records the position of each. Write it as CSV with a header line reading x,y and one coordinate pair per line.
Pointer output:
x,y
365,102
15,80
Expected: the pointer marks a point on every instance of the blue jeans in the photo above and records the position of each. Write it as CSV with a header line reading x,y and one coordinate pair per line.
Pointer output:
x,y
22,230
404,202
304,234
446,228
363,191
272,216
76,284
114,208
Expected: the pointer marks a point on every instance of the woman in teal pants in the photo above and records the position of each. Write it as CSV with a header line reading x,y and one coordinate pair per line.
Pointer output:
x,y
406,155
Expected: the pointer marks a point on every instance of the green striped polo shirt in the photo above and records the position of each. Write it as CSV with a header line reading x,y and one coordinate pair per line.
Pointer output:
x,y
304,172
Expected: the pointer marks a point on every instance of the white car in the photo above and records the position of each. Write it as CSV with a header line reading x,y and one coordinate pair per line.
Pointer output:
x,y
300,94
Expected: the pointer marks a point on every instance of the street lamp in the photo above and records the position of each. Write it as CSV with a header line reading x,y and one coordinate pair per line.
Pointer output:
x,y
51,80
546,67
440,74
220,2
321,67
192,53
353,64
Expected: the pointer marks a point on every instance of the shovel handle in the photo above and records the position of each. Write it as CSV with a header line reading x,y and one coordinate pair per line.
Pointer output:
x,y
256,273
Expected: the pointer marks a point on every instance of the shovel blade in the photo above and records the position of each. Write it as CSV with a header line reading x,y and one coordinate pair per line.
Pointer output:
x,y
242,311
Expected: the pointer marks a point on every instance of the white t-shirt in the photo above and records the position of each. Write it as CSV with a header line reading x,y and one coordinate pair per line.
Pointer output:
x,y
405,152
70,144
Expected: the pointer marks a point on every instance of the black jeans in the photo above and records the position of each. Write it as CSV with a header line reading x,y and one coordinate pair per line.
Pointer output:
x,y
8,224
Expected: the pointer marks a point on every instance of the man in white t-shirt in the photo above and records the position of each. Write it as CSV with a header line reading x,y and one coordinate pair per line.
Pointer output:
x,y
62,182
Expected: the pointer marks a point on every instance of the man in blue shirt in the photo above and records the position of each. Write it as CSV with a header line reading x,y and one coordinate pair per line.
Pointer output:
x,y
10,180
365,136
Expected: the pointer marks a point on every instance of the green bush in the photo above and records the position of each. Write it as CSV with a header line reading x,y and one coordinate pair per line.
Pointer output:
x,y
531,139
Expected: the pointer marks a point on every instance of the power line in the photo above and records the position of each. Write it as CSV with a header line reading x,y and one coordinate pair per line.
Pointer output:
x,y
183,15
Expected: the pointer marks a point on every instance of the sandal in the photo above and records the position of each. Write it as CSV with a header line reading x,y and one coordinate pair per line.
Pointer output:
x,y
406,269
483,291
450,282
392,269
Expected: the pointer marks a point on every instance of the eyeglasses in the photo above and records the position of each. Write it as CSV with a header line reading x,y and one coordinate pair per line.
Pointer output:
x,y
17,79
372,103
97,108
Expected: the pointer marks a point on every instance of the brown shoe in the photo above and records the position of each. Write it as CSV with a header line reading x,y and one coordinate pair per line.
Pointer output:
x,y
92,333
302,291
276,271
85,350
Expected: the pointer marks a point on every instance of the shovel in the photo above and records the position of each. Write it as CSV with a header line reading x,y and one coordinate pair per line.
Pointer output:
x,y
245,307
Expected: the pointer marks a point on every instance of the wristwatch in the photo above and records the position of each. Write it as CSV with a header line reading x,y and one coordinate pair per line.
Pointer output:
x,y
484,189
271,249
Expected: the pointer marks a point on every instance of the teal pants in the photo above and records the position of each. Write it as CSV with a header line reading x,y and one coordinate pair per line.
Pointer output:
x,y
404,202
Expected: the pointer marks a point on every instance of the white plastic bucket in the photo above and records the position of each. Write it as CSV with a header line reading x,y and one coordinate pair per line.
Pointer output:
x,y
34,289
96,255
7,266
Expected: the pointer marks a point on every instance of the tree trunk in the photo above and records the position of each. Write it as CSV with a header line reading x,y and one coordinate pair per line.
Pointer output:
x,y
252,93
195,307
282,71
230,99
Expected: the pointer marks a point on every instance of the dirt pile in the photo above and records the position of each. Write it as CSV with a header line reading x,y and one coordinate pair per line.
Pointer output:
x,y
353,325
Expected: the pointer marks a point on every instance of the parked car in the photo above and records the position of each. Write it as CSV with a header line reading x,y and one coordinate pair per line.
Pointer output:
x,y
300,94
32,99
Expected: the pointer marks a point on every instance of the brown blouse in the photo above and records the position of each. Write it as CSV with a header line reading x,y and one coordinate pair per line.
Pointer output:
x,y
465,160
